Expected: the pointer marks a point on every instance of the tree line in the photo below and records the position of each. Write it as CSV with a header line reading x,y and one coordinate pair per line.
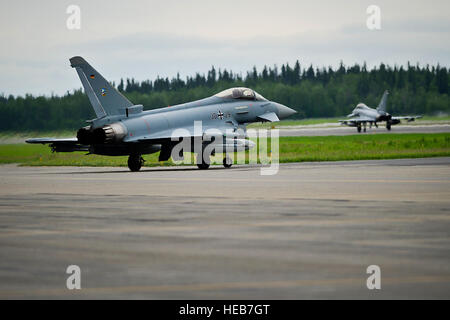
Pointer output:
x,y
311,91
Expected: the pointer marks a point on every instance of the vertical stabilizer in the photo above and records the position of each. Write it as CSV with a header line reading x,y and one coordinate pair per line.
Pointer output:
x,y
105,99
383,101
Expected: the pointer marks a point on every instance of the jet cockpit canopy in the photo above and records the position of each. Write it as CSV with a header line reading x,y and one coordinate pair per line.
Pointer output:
x,y
361,106
240,93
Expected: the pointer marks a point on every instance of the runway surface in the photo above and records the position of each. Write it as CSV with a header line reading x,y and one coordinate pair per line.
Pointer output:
x,y
309,231
326,129
323,130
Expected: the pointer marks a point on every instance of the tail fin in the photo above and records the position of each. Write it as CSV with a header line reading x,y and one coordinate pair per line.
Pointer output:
x,y
105,99
382,105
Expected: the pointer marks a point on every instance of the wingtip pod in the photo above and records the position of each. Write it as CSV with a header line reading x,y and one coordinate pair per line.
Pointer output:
x,y
77,61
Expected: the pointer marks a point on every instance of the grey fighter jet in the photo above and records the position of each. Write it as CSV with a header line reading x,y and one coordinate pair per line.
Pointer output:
x,y
363,115
123,128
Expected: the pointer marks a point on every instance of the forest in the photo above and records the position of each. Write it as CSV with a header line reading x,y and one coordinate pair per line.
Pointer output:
x,y
314,92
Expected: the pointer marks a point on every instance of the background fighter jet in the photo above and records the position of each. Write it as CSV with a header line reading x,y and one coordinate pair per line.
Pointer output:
x,y
122,128
362,115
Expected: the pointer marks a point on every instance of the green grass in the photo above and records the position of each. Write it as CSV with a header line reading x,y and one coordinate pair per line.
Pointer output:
x,y
359,147
37,134
435,118
292,149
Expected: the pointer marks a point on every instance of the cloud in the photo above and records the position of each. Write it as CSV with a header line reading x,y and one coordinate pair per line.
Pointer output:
x,y
35,58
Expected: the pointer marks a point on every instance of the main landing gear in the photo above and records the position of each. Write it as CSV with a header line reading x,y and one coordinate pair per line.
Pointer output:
x,y
227,162
203,165
388,125
135,162
362,127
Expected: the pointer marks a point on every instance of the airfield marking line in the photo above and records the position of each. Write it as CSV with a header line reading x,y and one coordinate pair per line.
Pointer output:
x,y
360,282
222,179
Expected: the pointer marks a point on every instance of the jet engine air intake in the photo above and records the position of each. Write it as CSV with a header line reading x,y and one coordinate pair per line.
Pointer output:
x,y
384,117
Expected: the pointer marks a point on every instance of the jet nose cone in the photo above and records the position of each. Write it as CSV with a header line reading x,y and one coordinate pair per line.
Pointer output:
x,y
283,111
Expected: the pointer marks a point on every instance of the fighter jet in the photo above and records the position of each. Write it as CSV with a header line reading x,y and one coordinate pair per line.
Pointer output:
x,y
362,115
124,128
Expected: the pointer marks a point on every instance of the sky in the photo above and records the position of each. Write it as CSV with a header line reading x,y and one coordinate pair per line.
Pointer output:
x,y
143,39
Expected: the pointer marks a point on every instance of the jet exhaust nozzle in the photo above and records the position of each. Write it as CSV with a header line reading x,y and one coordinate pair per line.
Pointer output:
x,y
114,132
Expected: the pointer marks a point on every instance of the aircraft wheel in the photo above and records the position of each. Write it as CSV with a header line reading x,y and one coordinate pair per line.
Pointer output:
x,y
201,163
388,126
227,162
359,128
135,162
364,129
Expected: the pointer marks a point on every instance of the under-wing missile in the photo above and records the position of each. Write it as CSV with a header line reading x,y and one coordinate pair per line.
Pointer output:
x,y
234,145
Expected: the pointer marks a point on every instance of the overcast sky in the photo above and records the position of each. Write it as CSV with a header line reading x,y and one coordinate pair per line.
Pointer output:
x,y
142,39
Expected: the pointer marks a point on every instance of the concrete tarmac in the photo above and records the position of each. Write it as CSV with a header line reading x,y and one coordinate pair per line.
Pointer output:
x,y
309,231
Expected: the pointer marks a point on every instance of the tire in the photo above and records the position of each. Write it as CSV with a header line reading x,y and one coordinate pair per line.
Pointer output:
x,y
227,162
388,126
201,164
135,162
359,128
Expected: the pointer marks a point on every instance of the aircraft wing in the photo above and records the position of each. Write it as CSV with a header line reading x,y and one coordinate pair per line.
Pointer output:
x,y
357,120
408,118
60,144
67,141
183,132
